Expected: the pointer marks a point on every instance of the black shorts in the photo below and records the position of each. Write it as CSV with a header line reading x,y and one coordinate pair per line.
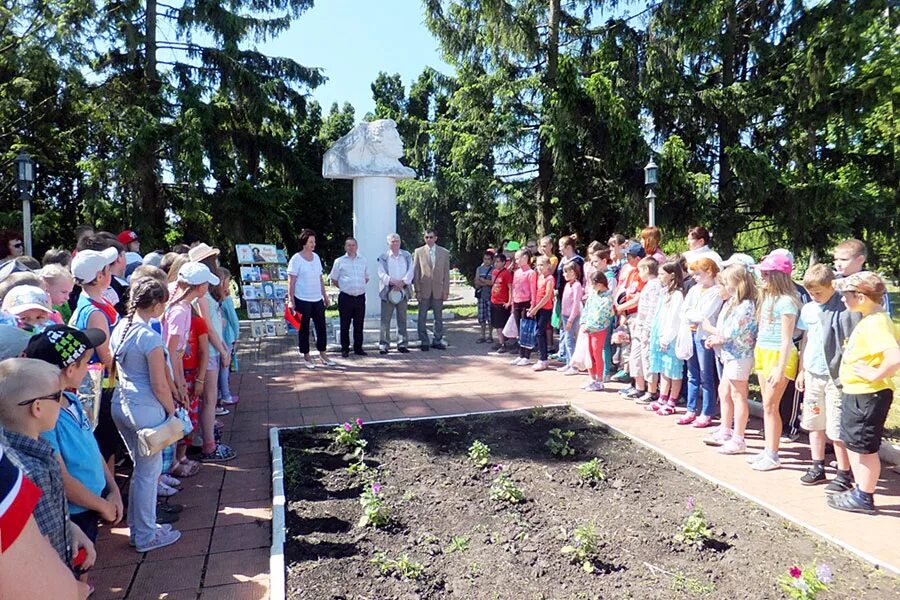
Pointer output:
x,y
862,420
106,434
87,521
499,316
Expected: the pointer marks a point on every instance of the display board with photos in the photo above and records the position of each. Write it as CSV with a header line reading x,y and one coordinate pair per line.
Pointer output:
x,y
264,288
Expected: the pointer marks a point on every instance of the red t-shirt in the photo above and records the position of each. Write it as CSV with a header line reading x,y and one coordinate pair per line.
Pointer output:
x,y
500,290
633,286
198,328
18,498
546,284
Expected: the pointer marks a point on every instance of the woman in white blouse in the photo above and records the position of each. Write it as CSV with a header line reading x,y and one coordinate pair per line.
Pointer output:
x,y
307,296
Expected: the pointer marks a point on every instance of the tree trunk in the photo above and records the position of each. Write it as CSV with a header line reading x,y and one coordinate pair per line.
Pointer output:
x,y
545,152
150,206
728,221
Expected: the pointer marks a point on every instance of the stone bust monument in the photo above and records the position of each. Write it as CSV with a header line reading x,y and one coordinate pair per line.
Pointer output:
x,y
369,150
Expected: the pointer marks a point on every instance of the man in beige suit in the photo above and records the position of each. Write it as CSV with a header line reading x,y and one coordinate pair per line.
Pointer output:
x,y
431,281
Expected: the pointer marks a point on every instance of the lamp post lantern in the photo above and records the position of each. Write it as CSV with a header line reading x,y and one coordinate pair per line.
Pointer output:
x,y
24,181
650,181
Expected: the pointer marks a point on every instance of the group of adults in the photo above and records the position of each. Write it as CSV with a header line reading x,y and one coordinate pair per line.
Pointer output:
x,y
424,274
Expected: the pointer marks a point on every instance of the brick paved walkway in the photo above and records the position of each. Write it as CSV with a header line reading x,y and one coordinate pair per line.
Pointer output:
x,y
225,548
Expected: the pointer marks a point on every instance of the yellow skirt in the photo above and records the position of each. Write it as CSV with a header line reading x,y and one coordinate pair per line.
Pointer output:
x,y
765,361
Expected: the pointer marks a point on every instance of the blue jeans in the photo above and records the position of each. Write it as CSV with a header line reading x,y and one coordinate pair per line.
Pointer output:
x,y
129,418
567,338
702,379
224,375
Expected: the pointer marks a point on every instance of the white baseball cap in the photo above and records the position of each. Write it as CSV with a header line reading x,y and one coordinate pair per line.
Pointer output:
x,y
26,297
739,258
87,264
194,273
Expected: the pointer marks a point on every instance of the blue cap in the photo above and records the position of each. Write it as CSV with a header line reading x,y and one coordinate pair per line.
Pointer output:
x,y
635,249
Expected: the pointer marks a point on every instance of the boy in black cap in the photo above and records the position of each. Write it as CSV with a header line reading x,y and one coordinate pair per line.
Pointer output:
x,y
90,486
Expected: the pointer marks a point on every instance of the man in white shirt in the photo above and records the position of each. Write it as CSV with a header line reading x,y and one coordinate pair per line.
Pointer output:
x,y
395,274
350,274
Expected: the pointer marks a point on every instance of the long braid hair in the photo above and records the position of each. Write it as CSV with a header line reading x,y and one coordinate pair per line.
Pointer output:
x,y
144,293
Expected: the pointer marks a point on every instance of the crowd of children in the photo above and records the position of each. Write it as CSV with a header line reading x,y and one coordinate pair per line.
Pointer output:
x,y
91,360
660,320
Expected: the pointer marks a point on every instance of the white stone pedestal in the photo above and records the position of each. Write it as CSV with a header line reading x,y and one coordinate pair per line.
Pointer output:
x,y
374,217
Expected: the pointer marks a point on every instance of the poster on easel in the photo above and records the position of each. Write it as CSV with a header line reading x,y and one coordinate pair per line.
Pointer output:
x,y
264,289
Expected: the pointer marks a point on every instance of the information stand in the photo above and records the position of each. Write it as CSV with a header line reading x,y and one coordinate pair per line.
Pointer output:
x,y
264,287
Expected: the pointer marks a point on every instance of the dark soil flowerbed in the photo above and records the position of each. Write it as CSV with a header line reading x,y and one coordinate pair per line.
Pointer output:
x,y
453,540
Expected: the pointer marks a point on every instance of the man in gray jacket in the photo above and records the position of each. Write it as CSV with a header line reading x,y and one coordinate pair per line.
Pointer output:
x,y
395,274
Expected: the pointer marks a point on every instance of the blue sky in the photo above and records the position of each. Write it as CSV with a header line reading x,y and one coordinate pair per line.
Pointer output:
x,y
352,40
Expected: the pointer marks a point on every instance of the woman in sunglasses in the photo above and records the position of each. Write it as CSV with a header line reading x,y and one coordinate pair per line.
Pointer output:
x,y
11,245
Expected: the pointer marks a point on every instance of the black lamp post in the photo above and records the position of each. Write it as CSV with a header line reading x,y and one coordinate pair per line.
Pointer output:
x,y
650,181
24,181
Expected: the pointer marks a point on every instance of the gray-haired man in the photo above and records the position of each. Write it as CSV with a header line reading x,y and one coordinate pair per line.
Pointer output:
x,y
395,274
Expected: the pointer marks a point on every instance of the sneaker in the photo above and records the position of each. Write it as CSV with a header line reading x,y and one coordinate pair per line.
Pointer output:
x,y
540,365
687,418
703,422
787,438
496,347
839,485
766,463
596,386
571,371
718,437
169,507
645,398
626,391
222,453
164,491
851,502
554,356
524,362
515,362
813,476
161,540
232,400
170,481
563,368
221,411
401,350
755,457
165,518
733,446
502,350
621,377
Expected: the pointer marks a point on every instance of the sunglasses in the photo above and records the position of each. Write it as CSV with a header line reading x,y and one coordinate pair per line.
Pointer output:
x,y
17,245
57,397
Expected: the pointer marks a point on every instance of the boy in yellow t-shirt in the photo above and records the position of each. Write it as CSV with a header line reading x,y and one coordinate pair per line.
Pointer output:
x,y
870,359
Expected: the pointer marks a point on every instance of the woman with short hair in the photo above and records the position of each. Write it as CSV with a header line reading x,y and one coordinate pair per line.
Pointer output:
x,y
307,296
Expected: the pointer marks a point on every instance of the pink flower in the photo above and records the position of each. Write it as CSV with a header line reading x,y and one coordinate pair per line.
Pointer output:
x,y
348,427
690,503
497,468
359,422
376,488
795,572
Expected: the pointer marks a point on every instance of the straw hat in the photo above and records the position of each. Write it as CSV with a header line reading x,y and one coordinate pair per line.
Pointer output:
x,y
202,251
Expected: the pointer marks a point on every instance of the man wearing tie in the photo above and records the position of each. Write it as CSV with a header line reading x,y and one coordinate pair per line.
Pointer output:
x,y
431,281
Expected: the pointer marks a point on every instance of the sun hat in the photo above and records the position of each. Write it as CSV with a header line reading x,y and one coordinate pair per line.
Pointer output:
x,y
395,296
776,262
127,236
513,246
12,341
12,266
864,282
194,273
202,251
152,258
739,258
62,346
26,297
783,252
87,264
635,249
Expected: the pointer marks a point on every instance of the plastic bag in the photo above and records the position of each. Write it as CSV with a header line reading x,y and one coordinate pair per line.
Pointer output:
x,y
528,333
511,330
684,343
581,356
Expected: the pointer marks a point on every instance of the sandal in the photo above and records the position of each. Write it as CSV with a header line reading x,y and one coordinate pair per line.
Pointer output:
x,y
186,468
327,362
849,502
